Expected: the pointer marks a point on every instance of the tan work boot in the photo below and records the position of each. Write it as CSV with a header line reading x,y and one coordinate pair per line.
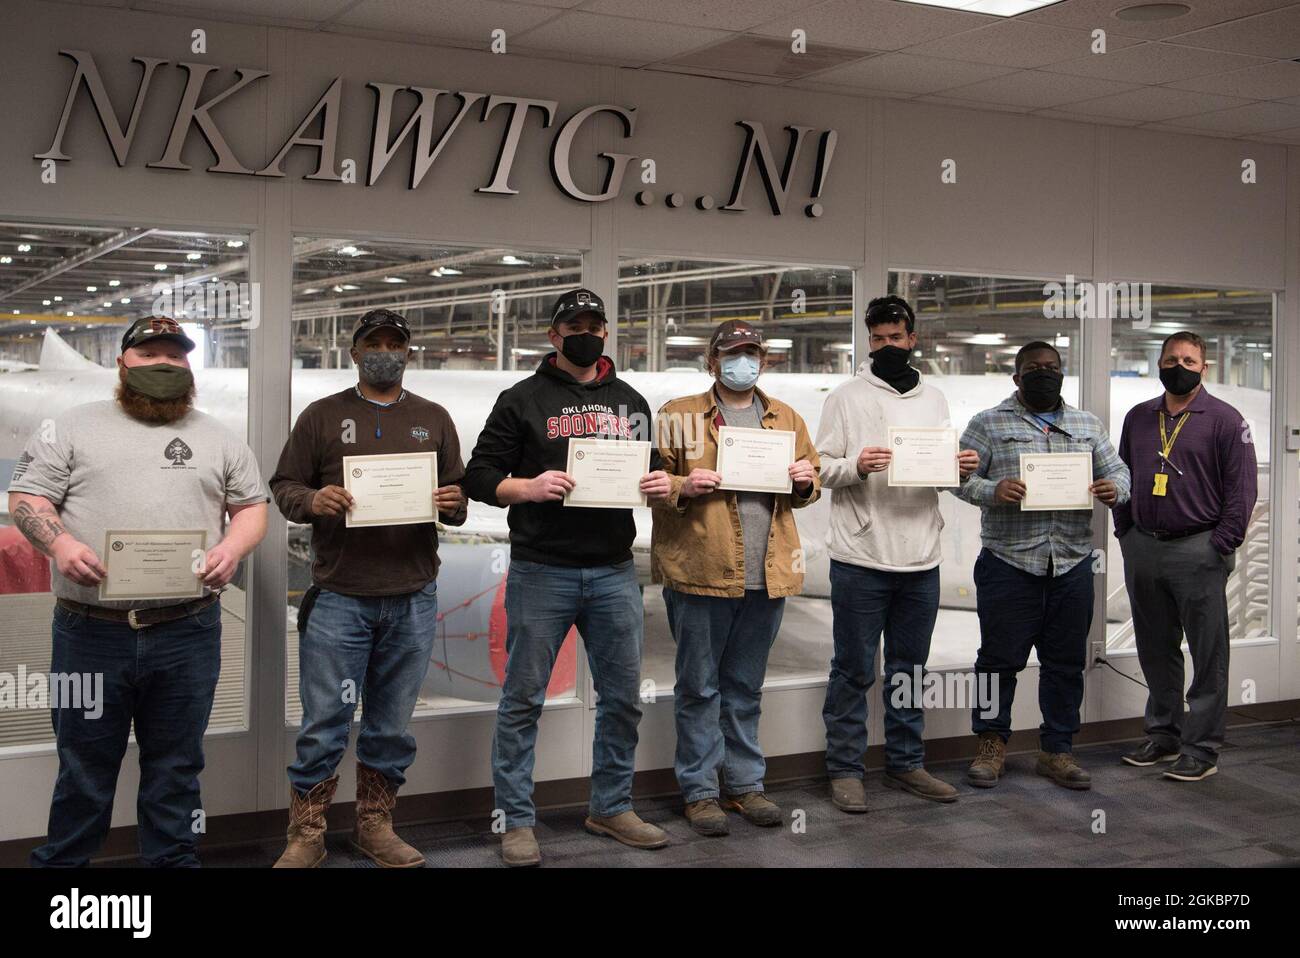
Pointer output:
x,y
707,817
306,847
987,768
755,807
374,836
519,847
1062,768
628,828
848,795
922,784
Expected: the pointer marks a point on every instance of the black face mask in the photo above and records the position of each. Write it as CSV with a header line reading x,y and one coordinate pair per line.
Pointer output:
x,y
1042,388
583,349
889,361
1179,380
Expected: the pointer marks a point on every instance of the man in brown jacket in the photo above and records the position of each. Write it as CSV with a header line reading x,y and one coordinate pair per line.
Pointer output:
x,y
727,559
366,627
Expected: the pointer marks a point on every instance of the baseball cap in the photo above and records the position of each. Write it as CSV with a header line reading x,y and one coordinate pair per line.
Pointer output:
x,y
576,302
734,333
155,327
378,318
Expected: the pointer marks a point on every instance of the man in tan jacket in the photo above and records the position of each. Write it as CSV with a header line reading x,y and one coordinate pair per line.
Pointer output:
x,y
727,560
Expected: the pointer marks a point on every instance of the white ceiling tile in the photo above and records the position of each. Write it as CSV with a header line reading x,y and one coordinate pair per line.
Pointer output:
x,y
971,104
1269,81
632,41
814,86
770,57
1092,14
719,14
1084,118
453,19
1251,118
1154,104
1282,136
247,11
1275,34
905,73
1015,43
1036,89
1153,63
874,24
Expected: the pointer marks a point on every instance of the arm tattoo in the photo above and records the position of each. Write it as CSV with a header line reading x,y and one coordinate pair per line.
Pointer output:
x,y
41,526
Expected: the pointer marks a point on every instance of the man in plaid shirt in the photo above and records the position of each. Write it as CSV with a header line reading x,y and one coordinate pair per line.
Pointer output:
x,y
1033,585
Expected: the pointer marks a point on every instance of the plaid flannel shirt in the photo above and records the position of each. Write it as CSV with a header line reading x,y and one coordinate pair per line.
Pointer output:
x,y
1030,540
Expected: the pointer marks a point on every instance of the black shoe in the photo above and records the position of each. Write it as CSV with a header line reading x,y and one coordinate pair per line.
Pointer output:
x,y
1190,769
1149,753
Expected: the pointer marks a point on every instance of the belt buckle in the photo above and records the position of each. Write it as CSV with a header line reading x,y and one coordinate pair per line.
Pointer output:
x,y
131,620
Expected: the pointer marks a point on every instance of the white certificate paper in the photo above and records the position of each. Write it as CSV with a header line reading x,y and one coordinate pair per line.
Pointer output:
x,y
391,490
607,473
153,564
1056,480
755,460
923,456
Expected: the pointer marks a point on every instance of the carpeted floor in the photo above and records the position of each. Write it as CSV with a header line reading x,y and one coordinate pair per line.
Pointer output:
x,y
1247,814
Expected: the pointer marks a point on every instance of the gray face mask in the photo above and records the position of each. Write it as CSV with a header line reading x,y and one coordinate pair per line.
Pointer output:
x,y
382,369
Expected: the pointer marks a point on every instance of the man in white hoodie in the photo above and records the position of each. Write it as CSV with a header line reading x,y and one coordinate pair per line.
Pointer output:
x,y
884,547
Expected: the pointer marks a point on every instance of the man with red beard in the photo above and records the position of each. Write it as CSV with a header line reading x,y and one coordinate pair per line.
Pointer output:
x,y
147,461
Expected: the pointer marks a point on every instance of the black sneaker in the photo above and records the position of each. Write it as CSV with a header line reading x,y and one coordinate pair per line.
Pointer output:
x,y
1149,753
1190,769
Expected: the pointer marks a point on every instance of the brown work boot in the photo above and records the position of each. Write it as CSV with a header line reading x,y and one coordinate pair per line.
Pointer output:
x,y
989,763
755,807
628,828
306,847
519,847
374,836
848,795
1062,768
707,817
922,784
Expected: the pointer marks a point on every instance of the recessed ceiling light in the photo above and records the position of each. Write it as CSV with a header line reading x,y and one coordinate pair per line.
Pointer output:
x,y
6,259
997,8
108,302
1153,11
510,259
92,289
24,247
160,267
234,244
58,299
114,282
394,279
193,256
350,286
45,302
125,300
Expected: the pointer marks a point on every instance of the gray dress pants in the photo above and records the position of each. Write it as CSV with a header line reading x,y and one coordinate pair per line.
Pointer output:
x,y
1177,587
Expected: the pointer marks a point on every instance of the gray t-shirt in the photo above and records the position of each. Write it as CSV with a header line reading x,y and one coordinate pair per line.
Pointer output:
x,y
755,507
104,470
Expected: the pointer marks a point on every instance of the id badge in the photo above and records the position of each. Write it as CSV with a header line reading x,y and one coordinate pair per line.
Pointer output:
x,y
1162,480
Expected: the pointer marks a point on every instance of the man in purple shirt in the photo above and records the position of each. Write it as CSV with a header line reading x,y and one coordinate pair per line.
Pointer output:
x,y
1192,459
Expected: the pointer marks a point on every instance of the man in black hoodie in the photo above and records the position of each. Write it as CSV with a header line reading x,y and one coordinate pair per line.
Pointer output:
x,y
566,568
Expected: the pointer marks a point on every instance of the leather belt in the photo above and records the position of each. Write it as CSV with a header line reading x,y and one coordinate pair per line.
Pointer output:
x,y
1161,535
140,618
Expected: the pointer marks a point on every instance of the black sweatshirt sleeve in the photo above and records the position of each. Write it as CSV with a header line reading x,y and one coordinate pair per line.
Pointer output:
x,y
497,453
296,475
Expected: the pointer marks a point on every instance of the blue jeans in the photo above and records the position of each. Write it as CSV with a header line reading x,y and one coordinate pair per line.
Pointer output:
x,y
722,649
374,647
1019,611
542,603
162,677
865,602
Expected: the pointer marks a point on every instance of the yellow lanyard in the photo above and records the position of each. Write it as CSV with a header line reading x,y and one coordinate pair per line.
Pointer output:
x,y
1167,442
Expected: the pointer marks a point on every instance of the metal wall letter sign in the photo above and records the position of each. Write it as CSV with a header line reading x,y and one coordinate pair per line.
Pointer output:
x,y
384,146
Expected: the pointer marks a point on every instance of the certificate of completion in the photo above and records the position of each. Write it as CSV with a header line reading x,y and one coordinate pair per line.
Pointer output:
x,y
391,490
153,564
923,456
755,460
1056,480
607,473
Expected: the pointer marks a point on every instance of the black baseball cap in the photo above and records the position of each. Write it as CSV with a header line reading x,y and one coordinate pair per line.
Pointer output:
x,y
576,302
734,333
378,318
155,327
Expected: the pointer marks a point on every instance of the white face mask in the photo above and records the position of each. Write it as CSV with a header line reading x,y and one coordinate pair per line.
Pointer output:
x,y
739,372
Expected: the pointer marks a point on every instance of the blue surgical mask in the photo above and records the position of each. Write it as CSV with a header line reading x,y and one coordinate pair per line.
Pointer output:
x,y
739,372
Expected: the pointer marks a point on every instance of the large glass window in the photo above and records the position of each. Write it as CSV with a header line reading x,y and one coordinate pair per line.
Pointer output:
x,y
969,329
668,309
478,324
67,294
1237,326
